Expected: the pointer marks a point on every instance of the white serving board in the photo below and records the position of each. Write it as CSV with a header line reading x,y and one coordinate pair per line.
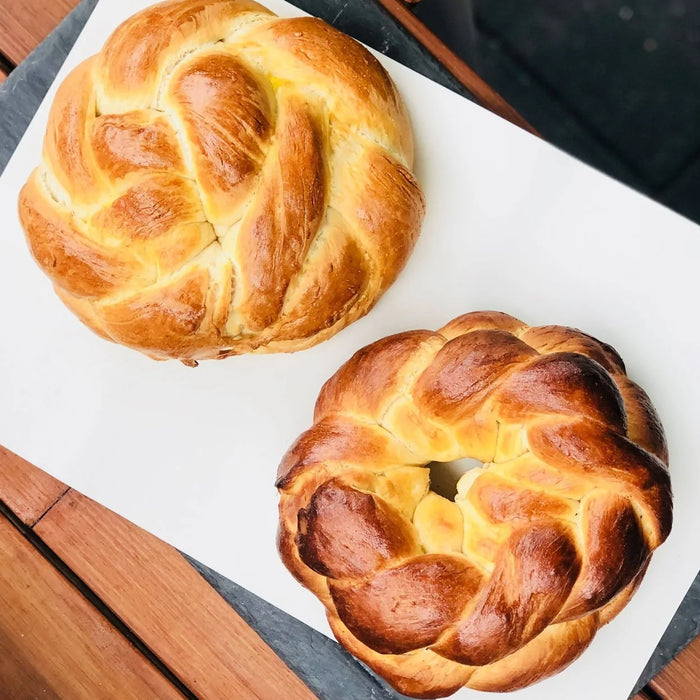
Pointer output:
x,y
512,224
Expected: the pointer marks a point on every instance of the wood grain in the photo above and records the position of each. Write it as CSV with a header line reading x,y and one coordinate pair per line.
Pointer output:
x,y
485,95
680,680
171,608
54,643
644,695
25,23
27,491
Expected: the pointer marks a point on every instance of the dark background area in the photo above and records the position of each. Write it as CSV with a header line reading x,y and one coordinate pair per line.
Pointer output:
x,y
615,83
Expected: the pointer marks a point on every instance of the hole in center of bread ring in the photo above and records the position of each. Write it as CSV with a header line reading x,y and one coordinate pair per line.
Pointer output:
x,y
445,476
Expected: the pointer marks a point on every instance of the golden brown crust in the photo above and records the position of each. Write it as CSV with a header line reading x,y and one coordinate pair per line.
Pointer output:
x,y
543,544
583,447
208,138
345,532
140,49
64,251
407,607
225,117
67,144
420,674
614,551
555,648
454,384
312,52
374,364
335,282
532,578
564,384
644,425
167,317
141,140
283,218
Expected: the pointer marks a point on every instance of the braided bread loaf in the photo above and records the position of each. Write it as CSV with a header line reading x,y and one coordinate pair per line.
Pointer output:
x,y
542,545
219,180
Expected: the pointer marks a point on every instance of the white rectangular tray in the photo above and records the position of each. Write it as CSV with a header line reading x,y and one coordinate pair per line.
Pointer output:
x,y
512,224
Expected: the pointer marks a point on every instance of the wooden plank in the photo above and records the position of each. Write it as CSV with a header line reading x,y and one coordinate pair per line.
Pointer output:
x,y
643,694
485,95
147,584
27,491
681,678
171,608
55,643
25,23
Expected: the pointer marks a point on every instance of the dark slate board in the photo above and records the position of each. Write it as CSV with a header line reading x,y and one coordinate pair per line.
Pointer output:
x,y
629,71
328,670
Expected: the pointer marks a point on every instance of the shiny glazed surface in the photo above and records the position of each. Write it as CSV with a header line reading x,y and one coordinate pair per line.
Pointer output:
x,y
219,180
543,544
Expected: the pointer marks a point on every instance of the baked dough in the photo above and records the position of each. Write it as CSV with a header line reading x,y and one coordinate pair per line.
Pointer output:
x,y
542,545
219,180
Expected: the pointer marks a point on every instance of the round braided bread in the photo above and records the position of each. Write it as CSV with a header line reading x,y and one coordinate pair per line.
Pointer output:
x,y
220,180
543,544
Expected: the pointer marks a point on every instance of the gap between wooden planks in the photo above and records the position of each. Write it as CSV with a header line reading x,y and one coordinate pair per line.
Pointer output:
x,y
53,642
192,642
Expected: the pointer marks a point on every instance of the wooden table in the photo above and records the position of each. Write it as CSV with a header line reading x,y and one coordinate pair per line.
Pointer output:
x,y
94,607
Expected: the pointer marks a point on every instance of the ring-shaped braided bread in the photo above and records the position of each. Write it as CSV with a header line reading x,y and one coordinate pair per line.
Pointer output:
x,y
220,180
543,544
